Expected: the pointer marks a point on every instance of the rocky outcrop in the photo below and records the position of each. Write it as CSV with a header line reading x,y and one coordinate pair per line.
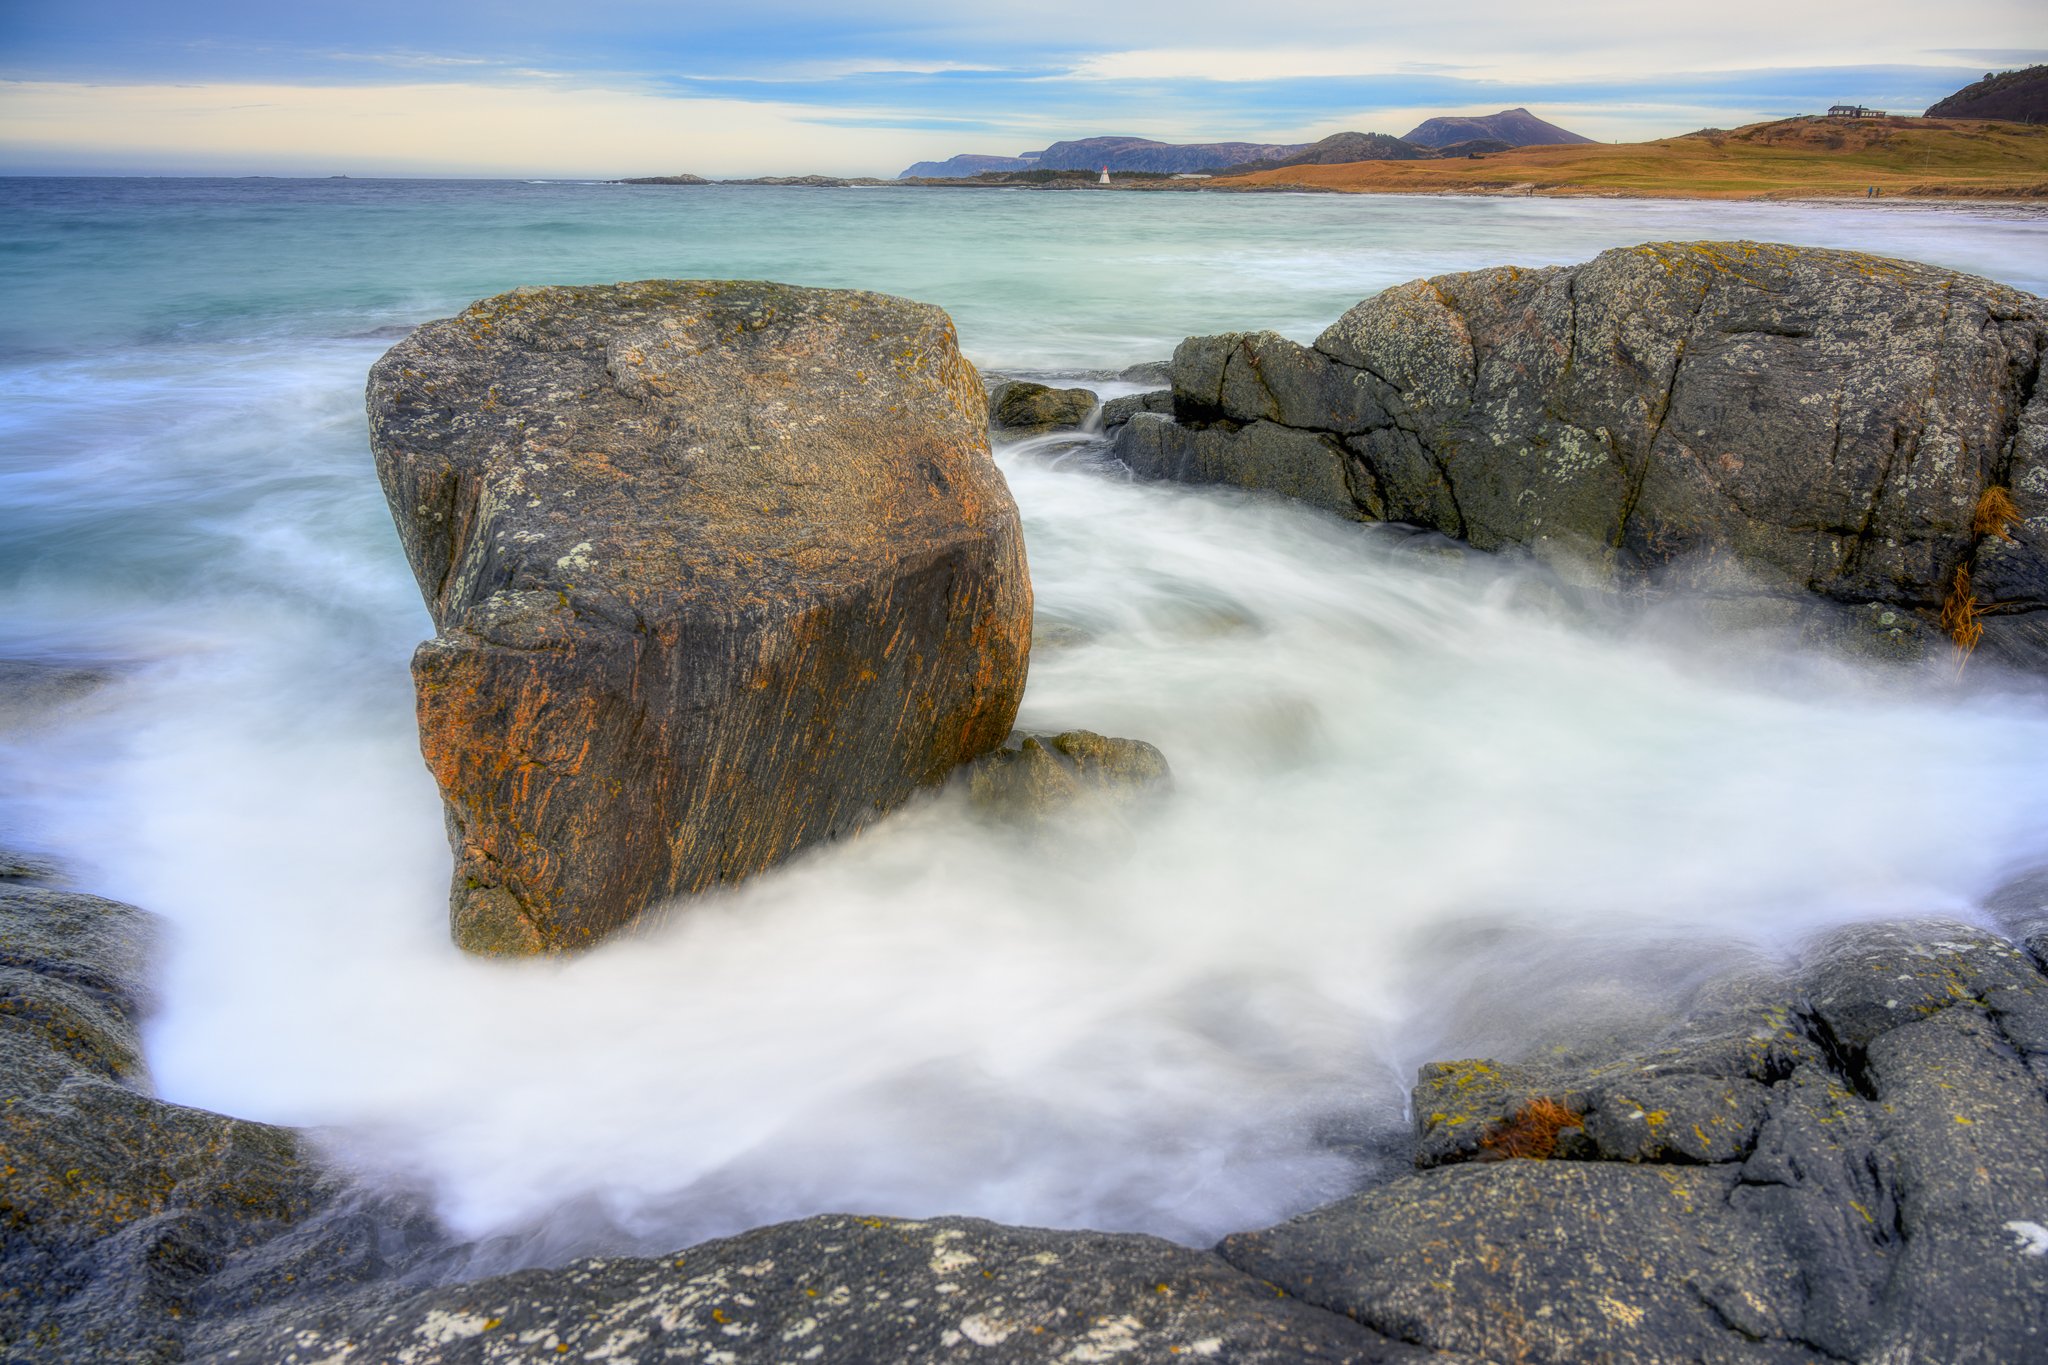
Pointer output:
x,y
125,1220
1732,419
1035,775
1024,408
720,570
1851,1165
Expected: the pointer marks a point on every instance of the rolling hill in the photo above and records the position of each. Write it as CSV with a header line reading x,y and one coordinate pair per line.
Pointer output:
x,y
1791,158
2021,96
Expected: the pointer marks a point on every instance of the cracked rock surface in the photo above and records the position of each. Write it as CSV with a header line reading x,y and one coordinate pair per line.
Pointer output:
x,y
719,570
1737,419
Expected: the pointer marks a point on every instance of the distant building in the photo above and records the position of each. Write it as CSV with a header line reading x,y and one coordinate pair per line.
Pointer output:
x,y
1853,111
1105,176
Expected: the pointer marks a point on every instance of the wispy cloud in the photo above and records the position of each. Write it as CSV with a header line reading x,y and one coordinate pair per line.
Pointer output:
x,y
904,73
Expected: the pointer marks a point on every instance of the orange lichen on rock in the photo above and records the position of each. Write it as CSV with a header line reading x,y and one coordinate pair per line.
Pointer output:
x,y
1530,1132
1995,512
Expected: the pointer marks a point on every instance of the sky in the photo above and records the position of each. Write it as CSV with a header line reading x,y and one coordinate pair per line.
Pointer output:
x,y
601,88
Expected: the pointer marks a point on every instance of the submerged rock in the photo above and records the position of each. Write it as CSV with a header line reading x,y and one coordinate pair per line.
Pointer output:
x,y
720,570
1736,419
1033,776
1024,408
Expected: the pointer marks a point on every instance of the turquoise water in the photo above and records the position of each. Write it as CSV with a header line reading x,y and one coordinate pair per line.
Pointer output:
x,y
1398,787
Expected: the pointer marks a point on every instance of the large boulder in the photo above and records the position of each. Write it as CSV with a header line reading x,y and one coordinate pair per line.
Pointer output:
x,y
720,570
1731,418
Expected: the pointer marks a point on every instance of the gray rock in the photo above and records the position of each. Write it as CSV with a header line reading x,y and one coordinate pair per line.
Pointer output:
x,y
1733,418
124,1219
840,1289
1846,1163
1261,457
1546,1261
1023,407
1118,411
693,550
27,867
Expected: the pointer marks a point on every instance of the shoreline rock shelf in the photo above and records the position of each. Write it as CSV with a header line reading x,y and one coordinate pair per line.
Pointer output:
x,y
1751,422
1844,1162
720,570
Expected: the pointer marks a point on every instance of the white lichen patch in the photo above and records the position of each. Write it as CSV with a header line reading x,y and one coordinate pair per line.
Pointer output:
x,y
1106,1340
945,1259
441,1328
615,1346
984,1331
2031,1237
577,558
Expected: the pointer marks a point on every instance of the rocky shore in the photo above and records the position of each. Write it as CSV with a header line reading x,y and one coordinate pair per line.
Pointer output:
x,y
728,567
1849,445
1844,1161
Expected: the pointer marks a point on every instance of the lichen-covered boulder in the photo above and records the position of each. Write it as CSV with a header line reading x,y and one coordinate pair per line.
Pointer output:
x,y
1736,418
720,570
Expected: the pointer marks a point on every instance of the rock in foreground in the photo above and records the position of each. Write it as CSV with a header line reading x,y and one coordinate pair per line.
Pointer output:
x,y
842,1289
720,570
1737,419
124,1220
1851,1165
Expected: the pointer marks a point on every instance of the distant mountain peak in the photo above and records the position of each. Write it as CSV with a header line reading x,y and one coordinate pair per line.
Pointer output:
x,y
1517,127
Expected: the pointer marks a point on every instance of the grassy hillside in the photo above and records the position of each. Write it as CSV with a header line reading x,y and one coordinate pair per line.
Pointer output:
x,y
1794,158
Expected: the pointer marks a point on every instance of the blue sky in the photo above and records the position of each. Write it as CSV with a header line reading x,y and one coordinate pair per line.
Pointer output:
x,y
612,87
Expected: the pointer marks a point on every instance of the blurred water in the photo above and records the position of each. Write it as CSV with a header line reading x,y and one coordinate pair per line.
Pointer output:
x,y
1415,815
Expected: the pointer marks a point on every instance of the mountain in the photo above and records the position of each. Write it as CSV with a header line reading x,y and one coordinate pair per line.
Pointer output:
x,y
2021,96
1509,128
1119,154
960,167
1143,154
1338,148
1516,127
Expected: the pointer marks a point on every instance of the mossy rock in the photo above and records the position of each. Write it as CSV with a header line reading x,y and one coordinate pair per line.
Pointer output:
x,y
1033,777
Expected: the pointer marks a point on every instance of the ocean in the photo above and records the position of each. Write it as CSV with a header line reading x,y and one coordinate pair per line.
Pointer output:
x,y
1421,811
